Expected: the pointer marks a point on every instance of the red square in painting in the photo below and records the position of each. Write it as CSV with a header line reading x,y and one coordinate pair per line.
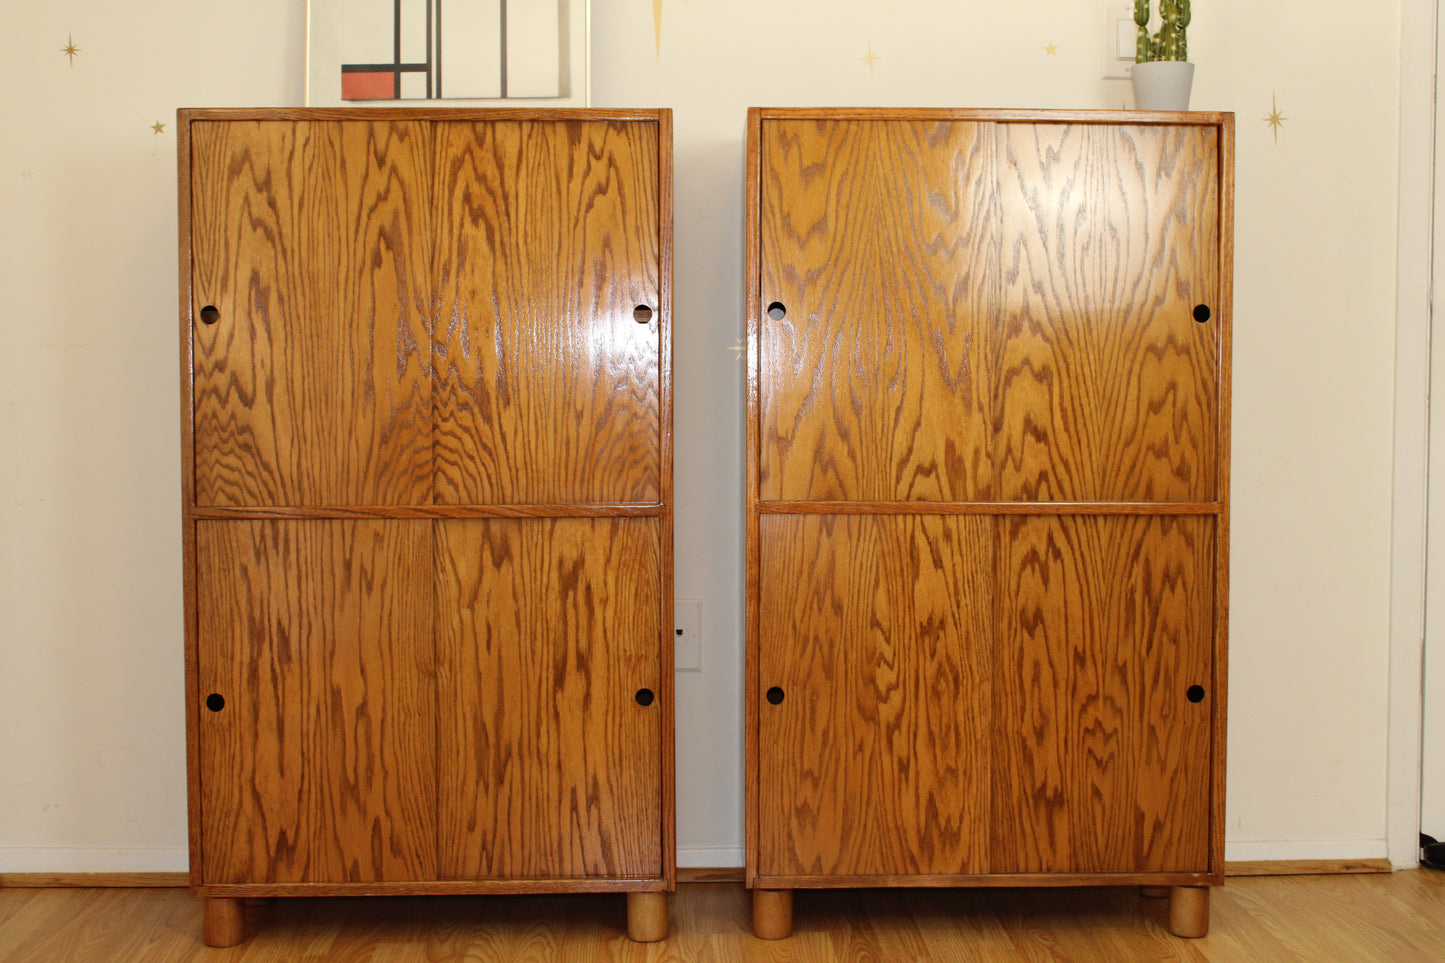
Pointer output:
x,y
368,85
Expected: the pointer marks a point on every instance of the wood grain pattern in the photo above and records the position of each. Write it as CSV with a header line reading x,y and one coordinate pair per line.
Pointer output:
x,y
1104,765
547,388
313,241
877,630
320,767
547,765
879,239
1107,386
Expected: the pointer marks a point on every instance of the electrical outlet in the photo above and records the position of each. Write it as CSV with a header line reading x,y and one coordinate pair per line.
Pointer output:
x,y
1121,39
687,619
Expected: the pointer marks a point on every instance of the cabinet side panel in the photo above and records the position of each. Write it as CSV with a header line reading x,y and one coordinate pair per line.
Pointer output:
x,y
876,630
879,242
1106,382
1102,760
320,765
312,383
548,764
547,384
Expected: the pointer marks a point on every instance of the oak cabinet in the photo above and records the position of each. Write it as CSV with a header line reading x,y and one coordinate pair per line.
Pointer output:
x,y
427,504
988,500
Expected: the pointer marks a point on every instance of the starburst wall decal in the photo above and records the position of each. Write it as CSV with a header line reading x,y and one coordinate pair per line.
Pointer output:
x,y
870,58
1275,120
70,49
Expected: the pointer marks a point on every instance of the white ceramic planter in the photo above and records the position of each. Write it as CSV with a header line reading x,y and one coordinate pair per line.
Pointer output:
x,y
1162,85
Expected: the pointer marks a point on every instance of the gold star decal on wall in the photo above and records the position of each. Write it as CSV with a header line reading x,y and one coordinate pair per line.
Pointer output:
x,y
158,127
870,58
741,348
70,49
1051,49
1275,119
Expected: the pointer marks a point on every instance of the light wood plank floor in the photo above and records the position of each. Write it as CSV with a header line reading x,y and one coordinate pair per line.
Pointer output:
x,y
1399,918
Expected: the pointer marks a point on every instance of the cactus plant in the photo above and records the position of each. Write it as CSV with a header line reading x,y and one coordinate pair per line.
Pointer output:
x,y
1170,42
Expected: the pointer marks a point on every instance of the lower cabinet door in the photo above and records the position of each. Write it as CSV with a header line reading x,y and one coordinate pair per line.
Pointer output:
x,y
968,695
874,664
317,727
549,713
1105,640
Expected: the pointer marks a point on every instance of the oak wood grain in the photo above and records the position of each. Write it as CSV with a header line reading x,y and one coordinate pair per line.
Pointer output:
x,y
879,241
877,631
318,636
547,764
1107,386
547,387
313,241
1104,764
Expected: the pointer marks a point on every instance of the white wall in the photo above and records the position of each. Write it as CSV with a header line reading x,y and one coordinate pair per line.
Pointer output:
x,y
91,717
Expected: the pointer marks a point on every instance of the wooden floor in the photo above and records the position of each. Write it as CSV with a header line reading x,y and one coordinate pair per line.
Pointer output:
x,y
1399,918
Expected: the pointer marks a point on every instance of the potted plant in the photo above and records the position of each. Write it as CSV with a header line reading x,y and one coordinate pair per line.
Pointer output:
x,y
1162,73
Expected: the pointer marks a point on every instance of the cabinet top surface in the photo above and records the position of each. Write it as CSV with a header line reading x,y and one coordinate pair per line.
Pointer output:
x,y
187,114
1030,115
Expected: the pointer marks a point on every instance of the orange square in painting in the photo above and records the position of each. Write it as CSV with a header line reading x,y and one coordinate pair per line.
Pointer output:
x,y
368,85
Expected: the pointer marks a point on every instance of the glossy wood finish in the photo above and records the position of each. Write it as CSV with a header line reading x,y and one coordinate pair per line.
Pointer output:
x,y
547,387
996,332
1381,918
413,225
877,759
1102,760
1106,382
547,764
877,239
321,765
314,243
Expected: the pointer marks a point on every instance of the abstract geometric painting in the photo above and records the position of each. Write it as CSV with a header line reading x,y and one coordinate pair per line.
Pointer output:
x,y
454,50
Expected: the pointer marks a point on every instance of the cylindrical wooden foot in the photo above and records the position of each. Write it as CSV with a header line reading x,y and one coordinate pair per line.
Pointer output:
x,y
647,917
223,922
772,914
1154,892
1189,911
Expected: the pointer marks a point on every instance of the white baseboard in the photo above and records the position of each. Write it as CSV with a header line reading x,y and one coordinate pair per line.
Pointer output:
x,y
100,859
1247,851
93,859
710,857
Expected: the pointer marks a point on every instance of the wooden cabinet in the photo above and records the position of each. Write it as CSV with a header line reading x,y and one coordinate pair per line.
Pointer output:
x,y
427,504
988,501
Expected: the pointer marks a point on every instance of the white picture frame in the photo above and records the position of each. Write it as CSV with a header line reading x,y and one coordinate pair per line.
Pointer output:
x,y
448,53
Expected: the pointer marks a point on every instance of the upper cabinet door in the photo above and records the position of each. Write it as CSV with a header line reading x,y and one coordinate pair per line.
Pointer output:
x,y
311,325
878,290
546,361
1107,379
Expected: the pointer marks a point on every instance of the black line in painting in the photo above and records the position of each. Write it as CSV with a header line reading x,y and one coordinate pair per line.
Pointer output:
x,y
504,49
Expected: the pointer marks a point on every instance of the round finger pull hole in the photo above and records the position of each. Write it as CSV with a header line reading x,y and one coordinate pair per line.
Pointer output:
x,y
210,314
215,702
776,311
642,314
1195,693
645,697
1201,313
775,695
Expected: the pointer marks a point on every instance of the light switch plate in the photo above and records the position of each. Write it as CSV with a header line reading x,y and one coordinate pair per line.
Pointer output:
x,y
1121,38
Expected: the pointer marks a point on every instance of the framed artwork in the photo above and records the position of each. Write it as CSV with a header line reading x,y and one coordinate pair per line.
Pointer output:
x,y
461,53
